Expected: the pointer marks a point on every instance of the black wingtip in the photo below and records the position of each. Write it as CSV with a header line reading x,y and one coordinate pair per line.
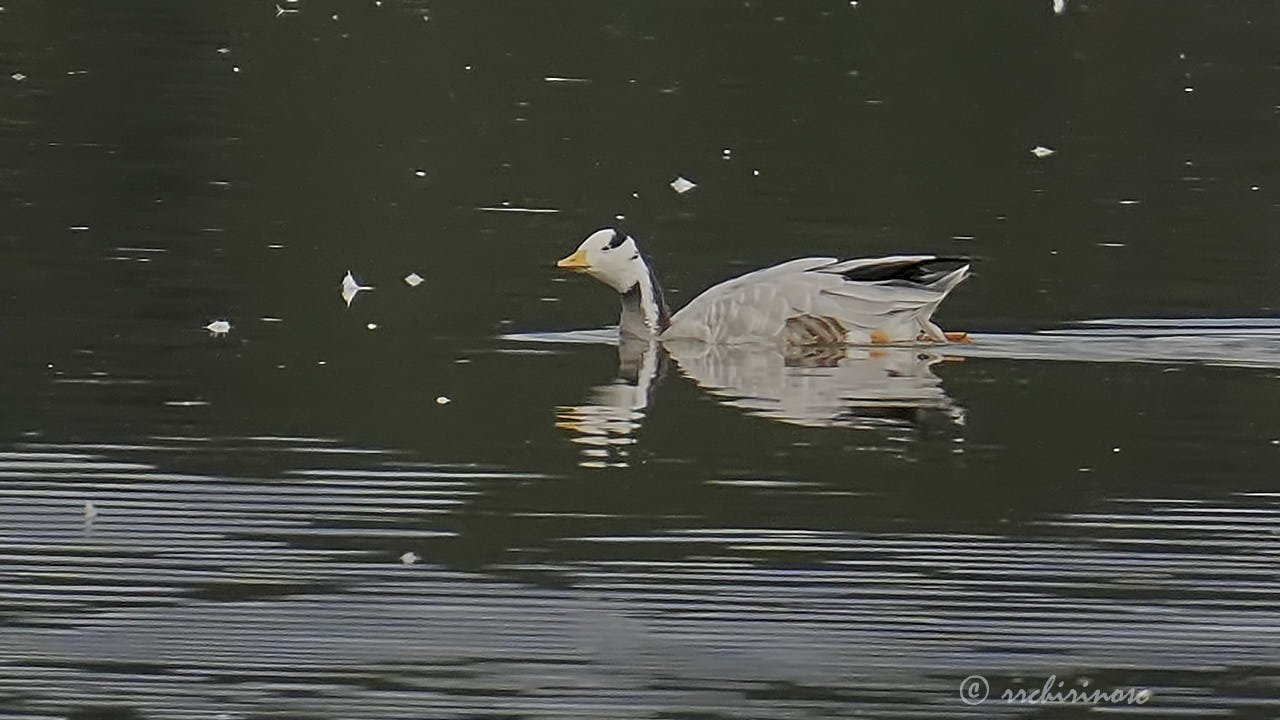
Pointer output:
x,y
915,271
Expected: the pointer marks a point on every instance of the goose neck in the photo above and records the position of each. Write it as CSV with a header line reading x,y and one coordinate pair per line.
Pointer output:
x,y
644,311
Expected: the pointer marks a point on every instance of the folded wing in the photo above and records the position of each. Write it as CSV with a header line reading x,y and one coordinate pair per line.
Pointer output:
x,y
888,299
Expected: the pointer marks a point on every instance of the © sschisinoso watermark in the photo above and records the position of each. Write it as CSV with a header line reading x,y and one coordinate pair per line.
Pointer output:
x,y
975,690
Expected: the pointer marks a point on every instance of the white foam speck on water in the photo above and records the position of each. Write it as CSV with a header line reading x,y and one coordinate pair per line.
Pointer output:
x,y
683,185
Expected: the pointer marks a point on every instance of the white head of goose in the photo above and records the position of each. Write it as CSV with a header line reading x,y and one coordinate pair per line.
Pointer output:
x,y
809,301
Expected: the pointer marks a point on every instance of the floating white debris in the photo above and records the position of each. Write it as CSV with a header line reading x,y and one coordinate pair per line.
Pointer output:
x,y
755,173
442,400
683,185
235,68
372,326
186,403
90,512
726,153
1041,151
1111,244
351,288
1059,6
18,76
420,173
223,50
1130,202
269,318
218,327
413,279
409,558
559,79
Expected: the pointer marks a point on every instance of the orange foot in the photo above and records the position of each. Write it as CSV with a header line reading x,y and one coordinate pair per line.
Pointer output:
x,y
879,338
958,337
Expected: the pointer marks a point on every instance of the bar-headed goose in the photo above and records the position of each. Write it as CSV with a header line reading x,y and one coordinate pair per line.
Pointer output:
x,y
809,301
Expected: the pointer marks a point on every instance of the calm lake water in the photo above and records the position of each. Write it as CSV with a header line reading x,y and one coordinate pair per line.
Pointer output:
x,y
452,500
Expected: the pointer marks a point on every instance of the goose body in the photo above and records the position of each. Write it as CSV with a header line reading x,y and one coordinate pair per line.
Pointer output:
x,y
808,301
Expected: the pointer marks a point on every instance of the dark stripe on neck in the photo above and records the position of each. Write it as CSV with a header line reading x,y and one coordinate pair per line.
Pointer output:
x,y
664,315
635,320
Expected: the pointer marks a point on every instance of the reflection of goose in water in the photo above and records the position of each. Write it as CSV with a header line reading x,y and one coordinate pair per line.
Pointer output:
x,y
606,423
809,301
878,386
864,388
831,387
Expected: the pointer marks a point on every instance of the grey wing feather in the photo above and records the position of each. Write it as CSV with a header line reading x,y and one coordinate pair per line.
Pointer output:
x,y
892,295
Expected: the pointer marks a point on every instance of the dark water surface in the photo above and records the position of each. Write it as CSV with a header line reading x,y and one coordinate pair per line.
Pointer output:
x,y
435,503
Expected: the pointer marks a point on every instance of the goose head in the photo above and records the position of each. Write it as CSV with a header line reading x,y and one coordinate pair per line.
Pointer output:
x,y
611,257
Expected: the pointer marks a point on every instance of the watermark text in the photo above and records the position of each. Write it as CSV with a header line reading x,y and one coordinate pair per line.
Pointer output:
x,y
975,690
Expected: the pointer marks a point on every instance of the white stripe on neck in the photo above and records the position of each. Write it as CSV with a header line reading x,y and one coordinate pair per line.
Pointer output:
x,y
648,303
